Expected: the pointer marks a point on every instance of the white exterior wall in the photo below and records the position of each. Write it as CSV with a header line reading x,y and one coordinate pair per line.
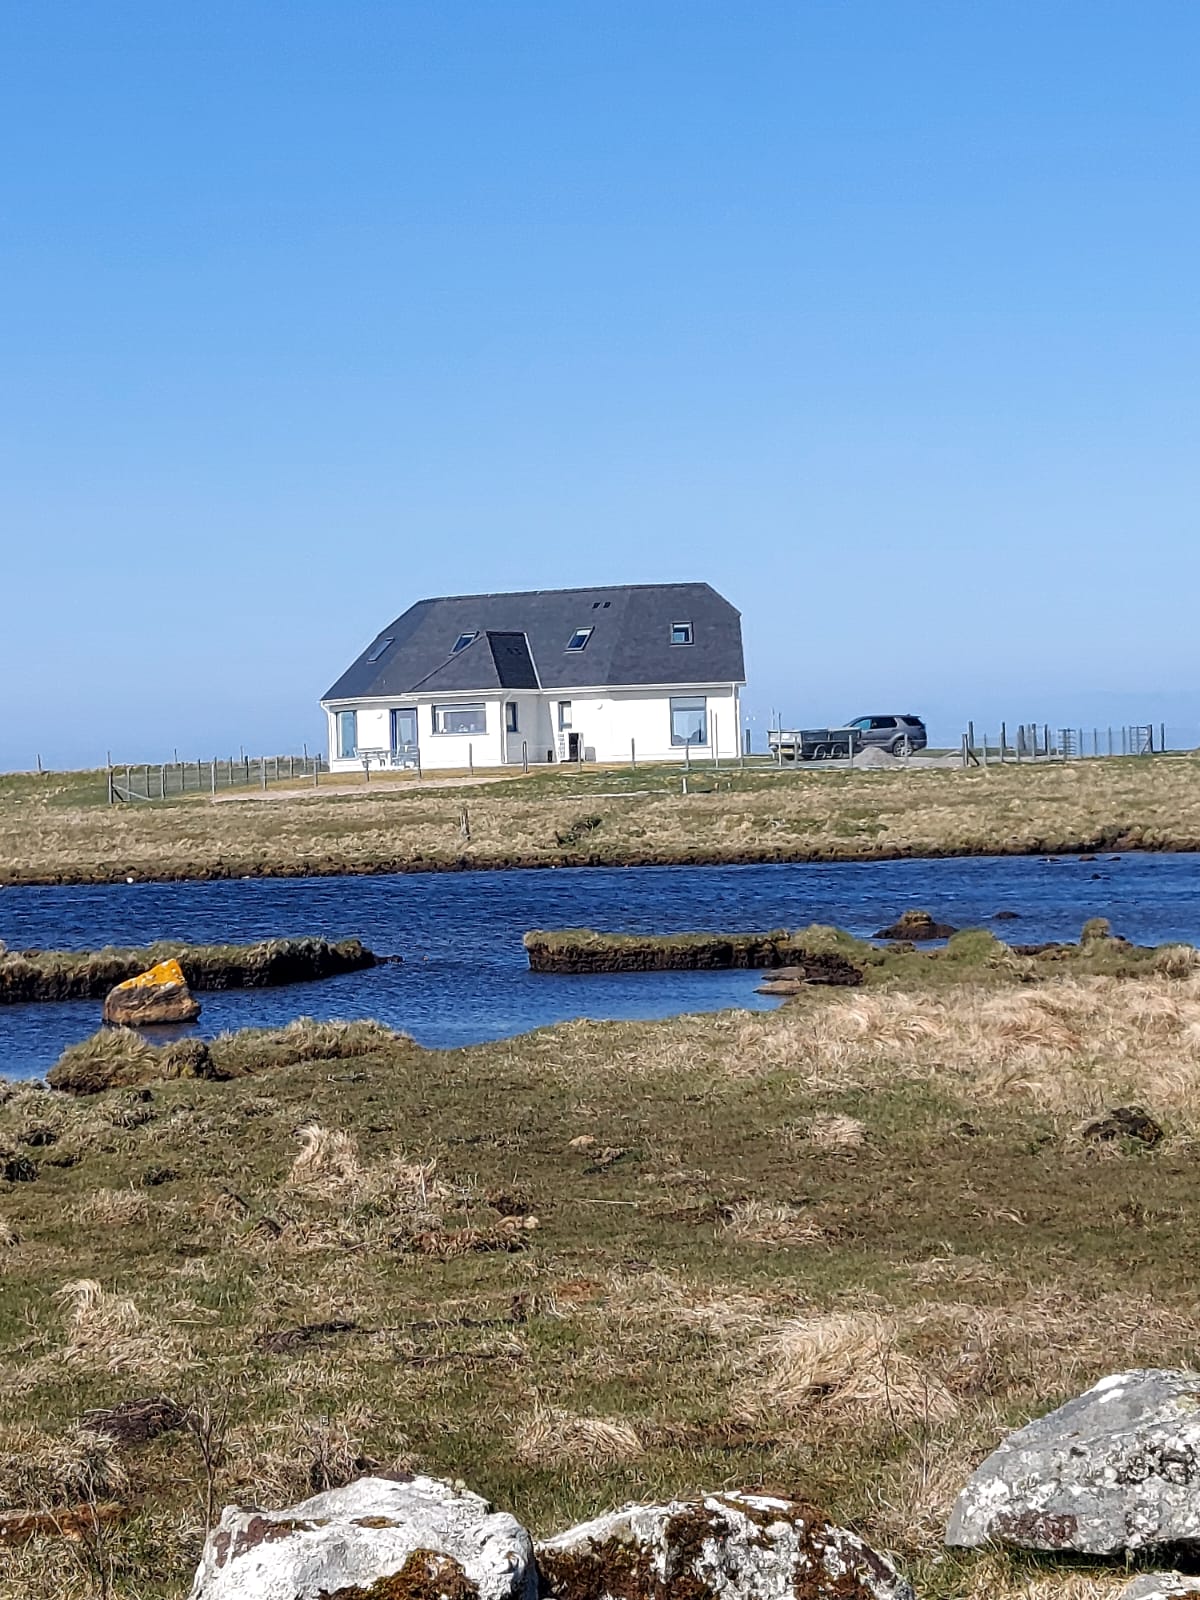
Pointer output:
x,y
444,751
607,720
533,728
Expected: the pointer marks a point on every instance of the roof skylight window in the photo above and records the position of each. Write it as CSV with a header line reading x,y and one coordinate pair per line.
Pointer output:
x,y
463,640
579,639
681,633
377,649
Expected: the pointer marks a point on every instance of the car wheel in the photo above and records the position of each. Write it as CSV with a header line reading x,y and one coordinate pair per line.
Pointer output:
x,y
901,746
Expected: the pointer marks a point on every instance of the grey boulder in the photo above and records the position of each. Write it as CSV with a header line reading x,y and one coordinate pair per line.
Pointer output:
x,y
735,1546
438,1542
1160,1586
1116,1469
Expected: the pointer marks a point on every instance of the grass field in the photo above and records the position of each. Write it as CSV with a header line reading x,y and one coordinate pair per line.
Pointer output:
x,y
837,1249
57,828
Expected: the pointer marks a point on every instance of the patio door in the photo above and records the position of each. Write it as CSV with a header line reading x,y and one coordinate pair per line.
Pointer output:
x,y
404,736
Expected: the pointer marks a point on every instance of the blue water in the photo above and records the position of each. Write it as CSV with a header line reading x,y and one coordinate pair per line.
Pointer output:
x,y
465,976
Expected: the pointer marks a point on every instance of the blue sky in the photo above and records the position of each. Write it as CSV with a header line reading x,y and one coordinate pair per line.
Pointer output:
x,y
881,317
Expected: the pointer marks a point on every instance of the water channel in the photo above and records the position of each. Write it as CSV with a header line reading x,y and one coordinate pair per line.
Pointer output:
x,y
464,977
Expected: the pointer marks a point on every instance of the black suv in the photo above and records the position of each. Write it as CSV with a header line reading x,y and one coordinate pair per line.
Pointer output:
x,y
895,734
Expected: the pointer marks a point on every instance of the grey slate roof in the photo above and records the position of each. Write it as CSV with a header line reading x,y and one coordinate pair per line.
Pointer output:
x,y
522,639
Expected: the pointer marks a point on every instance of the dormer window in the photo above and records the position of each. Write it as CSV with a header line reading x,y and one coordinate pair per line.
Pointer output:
x,y
463,640
579,639
377,649
681,633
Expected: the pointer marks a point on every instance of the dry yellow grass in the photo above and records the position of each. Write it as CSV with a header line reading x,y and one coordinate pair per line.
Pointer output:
x,y
553,1437
1072,1044
113,1208
847,1363
107,1332
327,1162
55,829
833,1131
755,1222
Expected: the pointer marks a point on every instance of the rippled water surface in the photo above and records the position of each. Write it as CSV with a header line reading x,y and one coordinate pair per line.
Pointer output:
x,y
465,978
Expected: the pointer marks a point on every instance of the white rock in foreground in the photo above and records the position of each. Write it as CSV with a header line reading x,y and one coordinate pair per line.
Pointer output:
x,y
1115,1469
339,1545
735,1546
1160,1586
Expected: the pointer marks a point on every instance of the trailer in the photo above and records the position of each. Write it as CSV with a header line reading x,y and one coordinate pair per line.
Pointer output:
x,y
898,734
812,744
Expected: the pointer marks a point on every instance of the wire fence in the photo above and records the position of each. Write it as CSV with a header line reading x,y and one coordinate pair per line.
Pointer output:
x,y
147,781
141,782
1034,741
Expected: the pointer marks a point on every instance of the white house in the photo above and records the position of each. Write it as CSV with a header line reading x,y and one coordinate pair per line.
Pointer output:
x,y
491,680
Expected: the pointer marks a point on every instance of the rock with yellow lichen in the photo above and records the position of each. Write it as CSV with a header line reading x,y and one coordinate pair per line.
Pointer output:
x,y
160,995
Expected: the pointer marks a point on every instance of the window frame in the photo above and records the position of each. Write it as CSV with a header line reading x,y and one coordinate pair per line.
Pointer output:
x,y
682,705
682,627
340,717
463,640
565,715
512,723
379,649
583,635
440,712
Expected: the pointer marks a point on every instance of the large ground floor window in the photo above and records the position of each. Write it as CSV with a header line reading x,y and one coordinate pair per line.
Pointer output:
x,y
460,719
689,720
347,735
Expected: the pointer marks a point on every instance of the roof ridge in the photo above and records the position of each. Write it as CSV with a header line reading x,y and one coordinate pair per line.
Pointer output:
x,y
577,588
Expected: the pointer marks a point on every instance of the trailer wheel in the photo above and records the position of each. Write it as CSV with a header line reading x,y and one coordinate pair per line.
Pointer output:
x,y
821,753
837,751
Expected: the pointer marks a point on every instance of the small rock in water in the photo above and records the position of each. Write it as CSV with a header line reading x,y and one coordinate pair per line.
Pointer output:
x,y
1113,1470
160,995
915,926
737,1546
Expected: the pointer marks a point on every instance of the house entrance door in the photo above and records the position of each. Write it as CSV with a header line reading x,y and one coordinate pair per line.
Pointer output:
x,y
574,747
404,737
